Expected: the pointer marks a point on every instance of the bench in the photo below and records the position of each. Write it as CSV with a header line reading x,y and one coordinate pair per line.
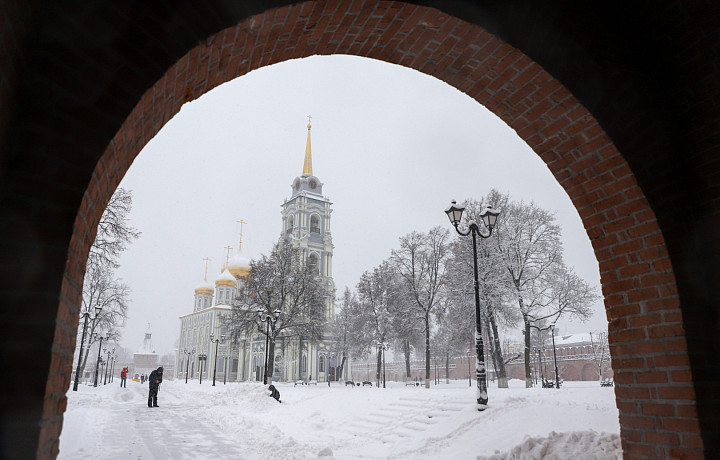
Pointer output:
x,y
607,383
349,382
410,383
367,383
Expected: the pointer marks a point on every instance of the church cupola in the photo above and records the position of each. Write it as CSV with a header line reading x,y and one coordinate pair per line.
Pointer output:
x,y
204,292
238,264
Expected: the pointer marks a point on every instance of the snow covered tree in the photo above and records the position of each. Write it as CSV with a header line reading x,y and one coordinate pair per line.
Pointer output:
x,y
377,299
341,328
528,242
284,282
420,262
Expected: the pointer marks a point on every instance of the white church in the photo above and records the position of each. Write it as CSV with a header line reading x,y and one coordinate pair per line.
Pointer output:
x,y
204,347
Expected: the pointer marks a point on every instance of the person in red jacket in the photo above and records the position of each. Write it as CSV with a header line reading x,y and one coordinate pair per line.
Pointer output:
x,y
123,377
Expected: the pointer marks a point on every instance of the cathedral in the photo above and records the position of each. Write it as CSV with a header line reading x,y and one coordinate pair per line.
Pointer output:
x,y
206,351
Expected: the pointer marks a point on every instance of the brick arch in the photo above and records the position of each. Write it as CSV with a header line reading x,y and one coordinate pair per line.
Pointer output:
x,y
653,389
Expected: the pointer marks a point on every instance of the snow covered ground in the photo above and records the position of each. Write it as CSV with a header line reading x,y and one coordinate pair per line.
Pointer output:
x,y
239,421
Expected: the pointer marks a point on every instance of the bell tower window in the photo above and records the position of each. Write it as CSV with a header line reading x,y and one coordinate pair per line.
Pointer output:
x,y
314,224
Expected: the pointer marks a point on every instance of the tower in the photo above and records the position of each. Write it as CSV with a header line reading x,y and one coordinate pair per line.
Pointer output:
x,y
306,223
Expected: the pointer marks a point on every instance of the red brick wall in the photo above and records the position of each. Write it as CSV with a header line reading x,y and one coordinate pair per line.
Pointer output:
x,y
654,388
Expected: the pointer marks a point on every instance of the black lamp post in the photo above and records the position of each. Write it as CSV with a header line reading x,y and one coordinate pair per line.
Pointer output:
x,y
382,346
112,365
468,360
225,366
552,331
217,341
269,320
201,357
97,365
489,218
107,365
187,364
82,342
557,379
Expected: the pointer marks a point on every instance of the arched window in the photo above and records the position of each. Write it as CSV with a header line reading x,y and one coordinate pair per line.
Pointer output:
x,y
321,364
289,224
314,224
313,262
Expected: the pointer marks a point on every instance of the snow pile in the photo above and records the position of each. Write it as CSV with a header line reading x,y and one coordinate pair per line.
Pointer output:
x,y
239,420
577,445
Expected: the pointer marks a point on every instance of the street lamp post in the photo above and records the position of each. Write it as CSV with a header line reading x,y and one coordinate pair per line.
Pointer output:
x,y
468,360
489,218
382,346
557,378
107,365
112,366
225,366
217,341
552,332
269,321
82,342
201,357
97,365
187,364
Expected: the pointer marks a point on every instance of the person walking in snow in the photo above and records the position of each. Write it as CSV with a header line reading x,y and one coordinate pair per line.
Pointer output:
x,y
123,377
274,393
154,382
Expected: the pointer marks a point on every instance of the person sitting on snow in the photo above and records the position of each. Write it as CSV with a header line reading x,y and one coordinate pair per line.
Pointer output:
x,y
274,393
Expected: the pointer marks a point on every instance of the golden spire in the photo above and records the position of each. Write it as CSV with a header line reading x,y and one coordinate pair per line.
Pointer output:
x,y
307,167
241,222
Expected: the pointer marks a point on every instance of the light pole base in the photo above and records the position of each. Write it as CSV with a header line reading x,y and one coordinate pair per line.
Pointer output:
x,y
481,407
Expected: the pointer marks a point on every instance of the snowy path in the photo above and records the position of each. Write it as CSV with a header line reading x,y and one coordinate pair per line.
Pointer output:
x,y
239,421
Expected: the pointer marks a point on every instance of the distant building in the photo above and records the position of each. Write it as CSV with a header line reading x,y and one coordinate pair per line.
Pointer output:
x,y
145,360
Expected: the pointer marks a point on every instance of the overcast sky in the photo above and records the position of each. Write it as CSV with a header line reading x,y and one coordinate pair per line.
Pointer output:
x,y
392,146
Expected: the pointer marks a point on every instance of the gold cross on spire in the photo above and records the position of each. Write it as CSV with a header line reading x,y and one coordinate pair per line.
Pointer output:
x,y
241,222
206,259
309,117
227,256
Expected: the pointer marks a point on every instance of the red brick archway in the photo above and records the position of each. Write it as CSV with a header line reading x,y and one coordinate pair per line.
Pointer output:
x,y
654,388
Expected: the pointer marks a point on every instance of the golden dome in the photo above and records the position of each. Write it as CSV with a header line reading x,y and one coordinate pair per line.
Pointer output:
x,y
204,288
226,279
239,266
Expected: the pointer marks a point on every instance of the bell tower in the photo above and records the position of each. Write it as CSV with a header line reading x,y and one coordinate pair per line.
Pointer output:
x,y
306,223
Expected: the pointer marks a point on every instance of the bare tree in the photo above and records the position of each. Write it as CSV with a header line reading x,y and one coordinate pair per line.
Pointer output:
x,y
600,351
420,262
114,232
101,289
282,281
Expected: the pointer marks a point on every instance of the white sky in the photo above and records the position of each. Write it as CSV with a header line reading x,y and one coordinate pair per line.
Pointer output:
x,y
393,146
